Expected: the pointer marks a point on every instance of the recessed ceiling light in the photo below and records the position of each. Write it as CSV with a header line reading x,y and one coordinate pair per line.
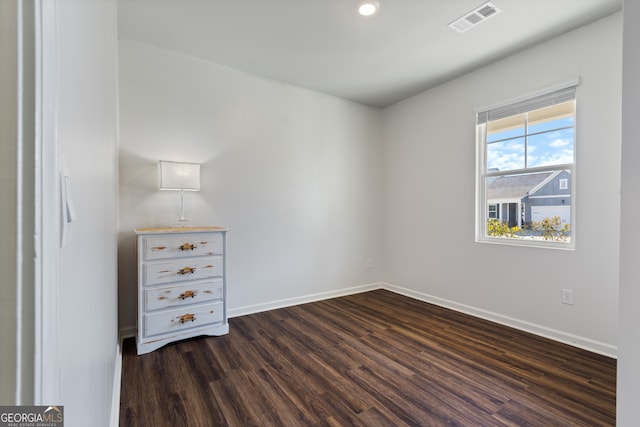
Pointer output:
x,y
368,7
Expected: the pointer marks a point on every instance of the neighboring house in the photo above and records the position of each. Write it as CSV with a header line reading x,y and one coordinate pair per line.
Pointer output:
x,y
521,199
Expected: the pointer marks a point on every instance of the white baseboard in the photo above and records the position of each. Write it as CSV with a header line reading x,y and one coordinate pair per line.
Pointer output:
x,y
543,331
117,381
272,305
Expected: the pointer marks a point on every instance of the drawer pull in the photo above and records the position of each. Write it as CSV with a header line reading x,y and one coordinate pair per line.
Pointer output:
x,y
187,317
188,294
186,270
187,247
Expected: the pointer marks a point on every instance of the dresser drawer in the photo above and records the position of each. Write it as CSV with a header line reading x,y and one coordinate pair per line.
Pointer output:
x,y
194,293
182,270
183,318
182,246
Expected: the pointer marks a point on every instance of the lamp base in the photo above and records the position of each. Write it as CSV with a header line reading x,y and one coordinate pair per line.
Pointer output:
x,y
182,222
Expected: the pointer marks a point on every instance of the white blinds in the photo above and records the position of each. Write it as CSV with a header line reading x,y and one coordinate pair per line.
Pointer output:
x,y
548,99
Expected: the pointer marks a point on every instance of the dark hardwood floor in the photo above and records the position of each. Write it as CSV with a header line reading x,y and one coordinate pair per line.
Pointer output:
x,y
372,359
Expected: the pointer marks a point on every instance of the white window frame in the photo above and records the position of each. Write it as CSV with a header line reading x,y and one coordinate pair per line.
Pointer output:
x,y
482,214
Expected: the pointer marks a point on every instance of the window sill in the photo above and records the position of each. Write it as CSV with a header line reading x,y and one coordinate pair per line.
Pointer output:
x,y
530,243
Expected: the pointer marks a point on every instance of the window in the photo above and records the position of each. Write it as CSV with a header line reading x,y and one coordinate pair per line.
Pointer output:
x,y
526,153
564,184
493,211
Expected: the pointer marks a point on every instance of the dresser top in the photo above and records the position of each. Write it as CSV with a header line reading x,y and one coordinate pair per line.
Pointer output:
x,y
190,229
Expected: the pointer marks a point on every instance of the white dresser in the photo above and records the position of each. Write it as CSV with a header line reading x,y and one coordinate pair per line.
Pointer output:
x,y
181,285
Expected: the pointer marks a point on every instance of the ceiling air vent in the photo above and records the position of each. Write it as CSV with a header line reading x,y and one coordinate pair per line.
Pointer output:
x,y
476,16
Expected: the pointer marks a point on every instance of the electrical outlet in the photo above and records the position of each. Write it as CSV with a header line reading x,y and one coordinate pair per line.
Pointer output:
x,y
567,296
369,262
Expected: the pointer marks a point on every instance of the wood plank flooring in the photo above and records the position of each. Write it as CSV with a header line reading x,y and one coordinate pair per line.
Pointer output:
x,y
372,359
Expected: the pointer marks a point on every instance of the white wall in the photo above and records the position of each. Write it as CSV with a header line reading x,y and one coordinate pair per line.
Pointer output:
x,y
87,135
629,339
429,152
294,175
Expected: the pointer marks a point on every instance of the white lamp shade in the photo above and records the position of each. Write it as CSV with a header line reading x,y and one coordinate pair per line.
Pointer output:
x,y
179,176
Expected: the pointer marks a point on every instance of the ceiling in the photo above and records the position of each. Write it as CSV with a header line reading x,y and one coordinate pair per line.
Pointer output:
x,y
324,45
